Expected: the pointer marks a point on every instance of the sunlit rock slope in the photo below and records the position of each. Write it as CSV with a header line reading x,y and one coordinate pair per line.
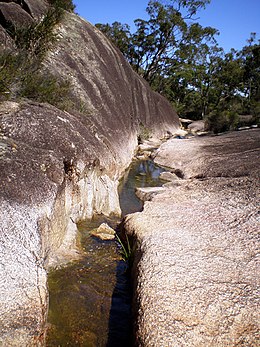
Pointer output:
x,y
58,167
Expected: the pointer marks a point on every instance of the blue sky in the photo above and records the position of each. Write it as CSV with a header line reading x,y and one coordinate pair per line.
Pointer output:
x,y
235,19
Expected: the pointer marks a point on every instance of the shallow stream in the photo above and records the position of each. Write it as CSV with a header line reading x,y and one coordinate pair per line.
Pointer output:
x,y
90,300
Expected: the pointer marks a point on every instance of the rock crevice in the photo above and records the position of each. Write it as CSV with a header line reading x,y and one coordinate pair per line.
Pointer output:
x,y
59,167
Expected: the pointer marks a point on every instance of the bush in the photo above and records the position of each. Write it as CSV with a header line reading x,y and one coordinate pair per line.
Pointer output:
x,y
64,4
45,87
8,71
37,38
144,133
255,111
20,77
21,72
221,121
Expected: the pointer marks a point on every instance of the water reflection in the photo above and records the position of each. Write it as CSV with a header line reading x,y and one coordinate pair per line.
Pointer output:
x,y
142,173
90,300
80,294
120,320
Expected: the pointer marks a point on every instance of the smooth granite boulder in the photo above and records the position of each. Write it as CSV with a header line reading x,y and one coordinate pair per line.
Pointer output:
x,y
59,167
197,264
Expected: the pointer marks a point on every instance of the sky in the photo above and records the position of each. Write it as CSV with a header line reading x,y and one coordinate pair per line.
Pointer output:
x,y
235,19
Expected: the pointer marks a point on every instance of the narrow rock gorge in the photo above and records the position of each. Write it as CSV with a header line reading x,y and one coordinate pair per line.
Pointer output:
x,y
59,167
196,255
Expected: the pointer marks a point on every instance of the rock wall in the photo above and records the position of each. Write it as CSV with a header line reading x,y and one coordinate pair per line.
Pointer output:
x,y
197,258
57,168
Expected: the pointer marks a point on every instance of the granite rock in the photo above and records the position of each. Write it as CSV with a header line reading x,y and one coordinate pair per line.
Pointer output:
x,y
57,167
196,270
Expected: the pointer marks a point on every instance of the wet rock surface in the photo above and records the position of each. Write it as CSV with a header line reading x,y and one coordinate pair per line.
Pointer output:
x,y
197,265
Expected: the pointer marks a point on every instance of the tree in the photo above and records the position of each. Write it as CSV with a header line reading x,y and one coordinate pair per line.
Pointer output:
x,y
251,60
191,70
157,39
119,34
183,61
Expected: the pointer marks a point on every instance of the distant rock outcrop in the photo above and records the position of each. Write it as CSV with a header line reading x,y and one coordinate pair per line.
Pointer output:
x,y
59,167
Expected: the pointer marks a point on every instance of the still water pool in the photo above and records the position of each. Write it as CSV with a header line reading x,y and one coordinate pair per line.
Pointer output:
x,y
90,300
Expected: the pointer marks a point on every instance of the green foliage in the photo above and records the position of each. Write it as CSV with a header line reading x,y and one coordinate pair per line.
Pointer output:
x,y
118,33
150,50
9,72
250,55
64,4
182,60
45,87
37,38
22,73
144,133
220,121
126,252
20,78
255,110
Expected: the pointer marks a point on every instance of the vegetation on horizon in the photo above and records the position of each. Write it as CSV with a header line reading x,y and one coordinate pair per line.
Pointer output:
x,y
63,4
183,61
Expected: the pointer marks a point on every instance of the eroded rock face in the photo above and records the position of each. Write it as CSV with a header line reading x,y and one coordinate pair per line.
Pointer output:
x,y
23,291
197,264
16,14
36,8
57,168
105,86
21,13
5,40
12,13
51,178
232,155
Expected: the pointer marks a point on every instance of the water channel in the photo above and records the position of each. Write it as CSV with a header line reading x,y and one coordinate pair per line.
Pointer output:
x,y
90,300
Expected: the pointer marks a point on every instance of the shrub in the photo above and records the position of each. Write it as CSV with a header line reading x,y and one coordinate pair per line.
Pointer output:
x,y
7,73
219,121
144,133
255,110
45,87
21,72
64,4
37,38
20,77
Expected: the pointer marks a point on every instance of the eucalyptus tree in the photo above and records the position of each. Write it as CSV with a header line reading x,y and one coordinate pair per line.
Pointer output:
x,y
156,40
119,34
182,60
190,72
250,55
